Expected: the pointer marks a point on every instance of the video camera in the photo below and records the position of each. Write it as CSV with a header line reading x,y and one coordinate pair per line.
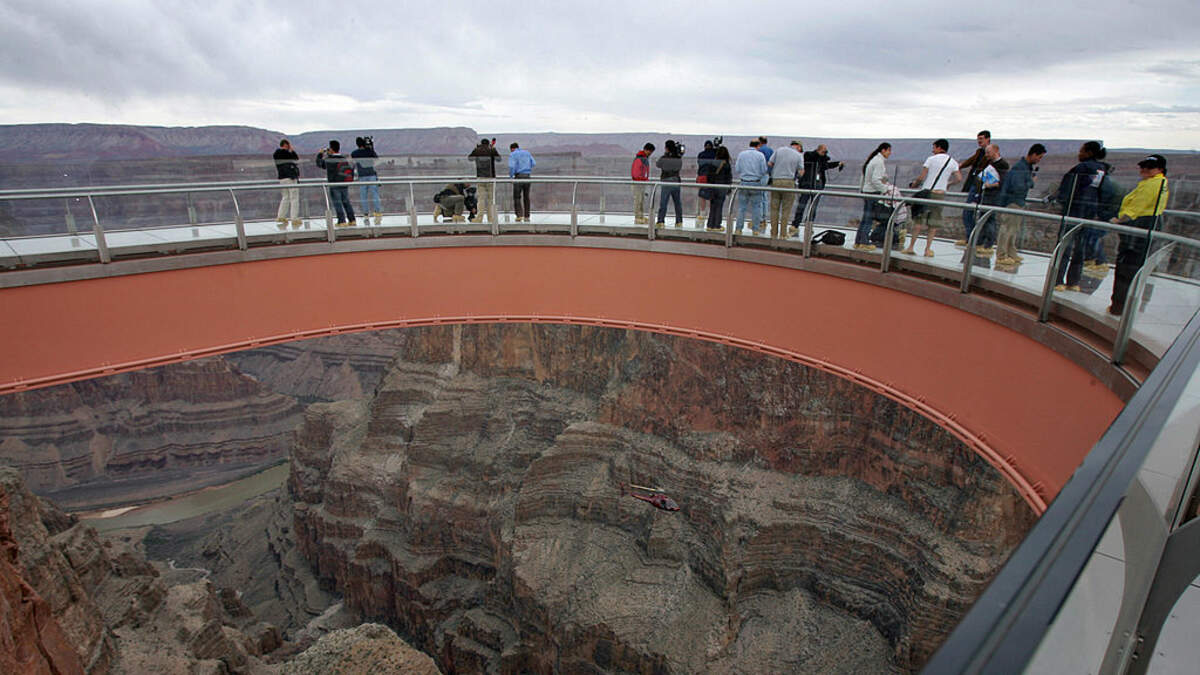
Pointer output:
x,y
717,141
679,147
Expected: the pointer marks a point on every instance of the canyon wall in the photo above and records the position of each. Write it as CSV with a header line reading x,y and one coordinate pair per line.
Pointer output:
x,y
144,435
476,501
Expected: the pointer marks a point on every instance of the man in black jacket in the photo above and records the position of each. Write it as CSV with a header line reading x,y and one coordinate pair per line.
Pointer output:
x,y
338,170
485,156
816,163
289,174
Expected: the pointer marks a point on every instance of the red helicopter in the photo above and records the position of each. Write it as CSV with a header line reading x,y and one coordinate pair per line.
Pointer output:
x,y
654,496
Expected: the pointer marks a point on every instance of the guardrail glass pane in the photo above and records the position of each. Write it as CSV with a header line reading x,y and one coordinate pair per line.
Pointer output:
x,y
1169,297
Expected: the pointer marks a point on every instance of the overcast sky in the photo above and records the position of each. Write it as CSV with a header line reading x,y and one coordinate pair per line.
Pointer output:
x,y
1124,71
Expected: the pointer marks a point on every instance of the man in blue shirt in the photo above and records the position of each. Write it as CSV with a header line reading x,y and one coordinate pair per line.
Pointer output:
x,y
520,165
751,169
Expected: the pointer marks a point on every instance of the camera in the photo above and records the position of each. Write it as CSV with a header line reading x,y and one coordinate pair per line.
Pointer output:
x,y
717,141
680,149
369,141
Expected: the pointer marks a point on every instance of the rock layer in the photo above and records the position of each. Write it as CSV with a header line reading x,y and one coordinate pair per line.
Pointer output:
x,y
475,503
144,435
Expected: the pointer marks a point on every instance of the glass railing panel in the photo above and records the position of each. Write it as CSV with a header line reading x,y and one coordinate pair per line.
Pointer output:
x,y
1169,296
44,217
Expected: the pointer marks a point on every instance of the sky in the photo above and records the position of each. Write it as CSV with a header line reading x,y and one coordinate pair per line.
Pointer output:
x,y
1123,71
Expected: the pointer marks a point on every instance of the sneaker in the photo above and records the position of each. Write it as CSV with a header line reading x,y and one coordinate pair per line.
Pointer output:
x,y
928,253
1074,288
792,232
282,224
1060,287
1114,311
296,223
961,243
679,223
908,251
660,225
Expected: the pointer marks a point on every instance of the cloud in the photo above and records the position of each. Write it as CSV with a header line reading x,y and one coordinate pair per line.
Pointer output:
x,y
855,68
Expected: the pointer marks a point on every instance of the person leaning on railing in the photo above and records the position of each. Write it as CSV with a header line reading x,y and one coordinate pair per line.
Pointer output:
x,y
1140,208
718,180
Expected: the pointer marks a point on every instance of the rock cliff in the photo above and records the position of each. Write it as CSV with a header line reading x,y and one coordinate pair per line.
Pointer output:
x,y
146,434
475,502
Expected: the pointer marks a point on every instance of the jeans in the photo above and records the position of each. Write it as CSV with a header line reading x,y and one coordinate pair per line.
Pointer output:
x,y
1093,244
1070,268
368,194
340,196
754,199
715,206
521,195
968,215
672,193
863,235
801,204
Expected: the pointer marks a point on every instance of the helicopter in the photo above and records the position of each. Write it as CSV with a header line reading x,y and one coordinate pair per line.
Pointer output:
x,y
654,496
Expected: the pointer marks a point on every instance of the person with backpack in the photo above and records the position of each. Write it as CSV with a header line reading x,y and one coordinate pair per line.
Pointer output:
x,y
1079,193
722,175
364,157
1095,260
639,171
939,172
671,163
338,169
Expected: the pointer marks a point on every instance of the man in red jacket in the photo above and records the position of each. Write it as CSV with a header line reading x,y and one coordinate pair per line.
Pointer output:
x,y
640,172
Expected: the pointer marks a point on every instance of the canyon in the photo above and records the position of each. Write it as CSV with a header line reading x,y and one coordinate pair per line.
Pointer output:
x,y
468,487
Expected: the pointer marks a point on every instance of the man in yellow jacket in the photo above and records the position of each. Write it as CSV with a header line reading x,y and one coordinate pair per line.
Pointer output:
x,y
1140,208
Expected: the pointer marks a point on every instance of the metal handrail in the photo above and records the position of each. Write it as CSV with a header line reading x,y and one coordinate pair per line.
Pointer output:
x,y
1007,623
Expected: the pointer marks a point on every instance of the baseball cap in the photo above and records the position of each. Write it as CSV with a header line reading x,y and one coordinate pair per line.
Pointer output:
x,y
1154,162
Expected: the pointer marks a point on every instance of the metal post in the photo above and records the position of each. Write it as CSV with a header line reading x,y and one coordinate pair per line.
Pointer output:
x,y
101,244
70,217
329,234
1133,300
652,223
412,212
1052,273
493,215
807,220
729,224
886,261
574,209
191,209
238,223
602,186
969,254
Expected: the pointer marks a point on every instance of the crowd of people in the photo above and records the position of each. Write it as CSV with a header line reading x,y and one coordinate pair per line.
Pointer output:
x,y
1087,191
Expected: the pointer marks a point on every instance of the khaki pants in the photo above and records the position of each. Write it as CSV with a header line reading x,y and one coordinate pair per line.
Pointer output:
x,y
639,202
780,210
289,199
484,199
1006,237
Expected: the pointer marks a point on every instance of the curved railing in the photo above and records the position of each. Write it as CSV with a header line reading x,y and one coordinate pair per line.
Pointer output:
x,y
233,215
1015,622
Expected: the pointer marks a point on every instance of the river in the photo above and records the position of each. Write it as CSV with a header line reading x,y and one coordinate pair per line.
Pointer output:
x,y
192,504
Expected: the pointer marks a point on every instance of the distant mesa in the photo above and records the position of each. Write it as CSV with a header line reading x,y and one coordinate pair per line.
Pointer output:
x,y
41,142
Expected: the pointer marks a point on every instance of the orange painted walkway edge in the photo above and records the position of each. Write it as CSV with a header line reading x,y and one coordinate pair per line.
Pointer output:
x,y
1027,410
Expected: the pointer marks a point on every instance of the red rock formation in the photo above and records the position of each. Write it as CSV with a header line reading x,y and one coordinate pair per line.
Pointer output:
x,y
31,641
474,503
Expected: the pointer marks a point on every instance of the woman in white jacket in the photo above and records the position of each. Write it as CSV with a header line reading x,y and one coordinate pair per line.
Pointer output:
x,y
874,181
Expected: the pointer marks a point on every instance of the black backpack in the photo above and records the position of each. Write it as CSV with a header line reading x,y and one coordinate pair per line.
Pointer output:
x,y
830,238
